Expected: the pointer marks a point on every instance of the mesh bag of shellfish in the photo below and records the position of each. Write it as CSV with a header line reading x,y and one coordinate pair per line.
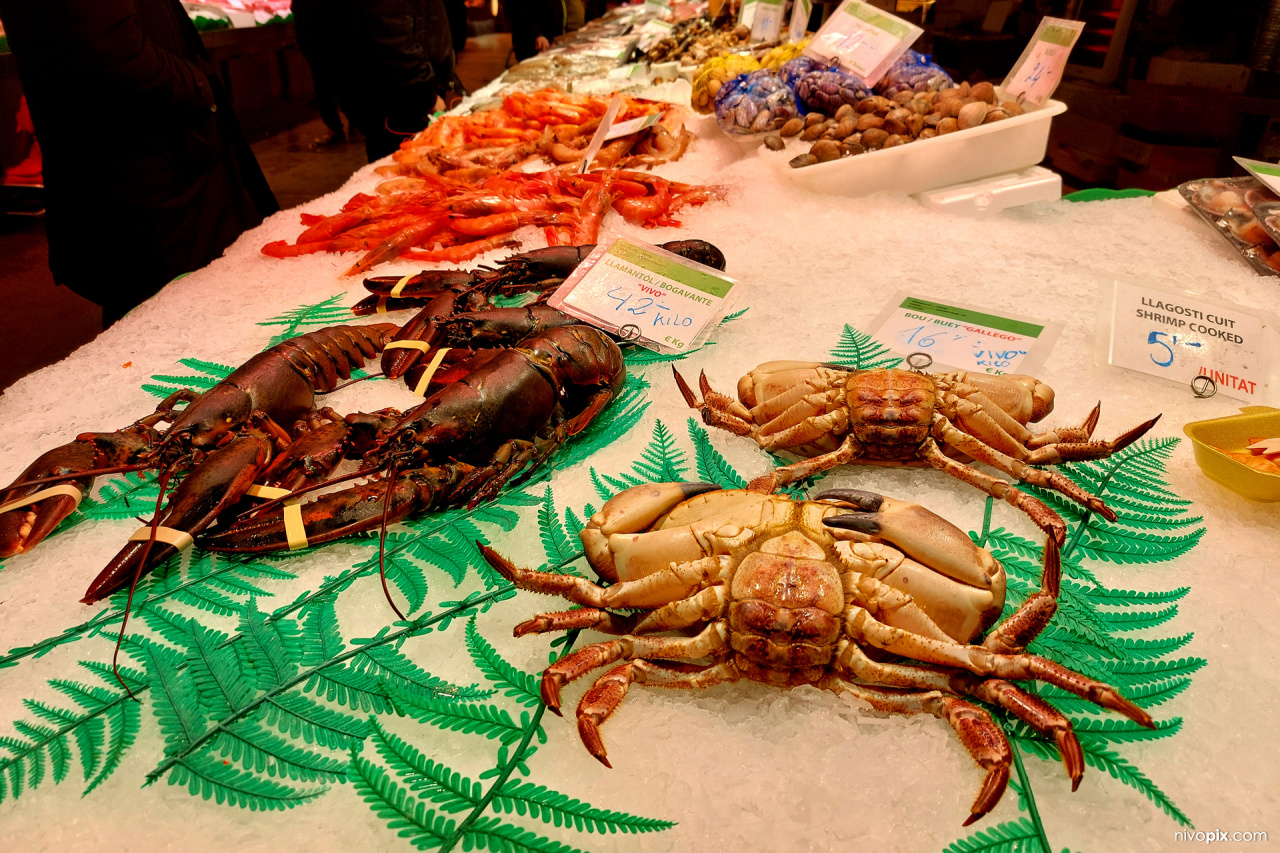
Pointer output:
x,y
793,69
758,102
913,72
828,90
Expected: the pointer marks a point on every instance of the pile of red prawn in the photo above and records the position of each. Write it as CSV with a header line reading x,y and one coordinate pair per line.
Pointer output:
x,y
455,191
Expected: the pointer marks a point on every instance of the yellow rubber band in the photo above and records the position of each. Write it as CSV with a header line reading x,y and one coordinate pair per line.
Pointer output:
x,y
399,288
179,539
268,492
61,489
429,372
382,305
420,346
294,530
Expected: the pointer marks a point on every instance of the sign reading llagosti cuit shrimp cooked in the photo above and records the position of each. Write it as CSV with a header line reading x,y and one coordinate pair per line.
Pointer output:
x,y
1178,336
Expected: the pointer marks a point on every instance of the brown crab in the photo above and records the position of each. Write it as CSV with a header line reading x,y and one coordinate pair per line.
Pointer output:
x,y
850,591
901,417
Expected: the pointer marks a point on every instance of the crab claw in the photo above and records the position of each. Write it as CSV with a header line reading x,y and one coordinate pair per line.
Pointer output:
x,y
920,534
630,511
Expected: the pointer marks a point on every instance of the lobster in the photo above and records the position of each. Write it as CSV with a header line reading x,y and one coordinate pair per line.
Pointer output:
x,y
226,437
461,444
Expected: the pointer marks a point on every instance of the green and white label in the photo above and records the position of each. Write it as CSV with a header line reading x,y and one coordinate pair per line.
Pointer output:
x,y
1268,173
1039,70
800,12
747,12
635,125
864,39
645,294
964,337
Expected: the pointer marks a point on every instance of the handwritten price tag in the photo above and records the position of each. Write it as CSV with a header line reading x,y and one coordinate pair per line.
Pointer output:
x,y
963,338
800,13
864,39
1039,70
645,294
768,21
1178,336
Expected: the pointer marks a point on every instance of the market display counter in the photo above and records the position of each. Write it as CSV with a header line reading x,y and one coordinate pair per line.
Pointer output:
x,y
1184,588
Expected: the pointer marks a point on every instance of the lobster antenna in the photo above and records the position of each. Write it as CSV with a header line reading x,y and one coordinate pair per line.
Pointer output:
x,y
133,585
382,543
62,478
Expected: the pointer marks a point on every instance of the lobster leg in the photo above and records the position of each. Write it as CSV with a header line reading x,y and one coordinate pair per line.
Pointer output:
x,y
356,510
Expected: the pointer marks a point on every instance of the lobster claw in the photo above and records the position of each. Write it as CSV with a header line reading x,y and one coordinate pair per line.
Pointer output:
x,y
25,524
212,487
358,509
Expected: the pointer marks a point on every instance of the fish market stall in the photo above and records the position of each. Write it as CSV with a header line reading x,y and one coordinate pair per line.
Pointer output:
x,y
278,699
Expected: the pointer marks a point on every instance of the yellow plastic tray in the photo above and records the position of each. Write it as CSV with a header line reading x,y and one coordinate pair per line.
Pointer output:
x,y
1232,433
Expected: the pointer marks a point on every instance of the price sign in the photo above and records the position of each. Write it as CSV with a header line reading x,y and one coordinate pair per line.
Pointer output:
x,y
661,301
965,338
800,12
601,134
1268,173
1178,336
1039,70
635,125
768,21
747,12
864,39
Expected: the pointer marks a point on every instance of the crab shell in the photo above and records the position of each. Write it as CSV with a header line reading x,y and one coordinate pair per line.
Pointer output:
x,y
788,581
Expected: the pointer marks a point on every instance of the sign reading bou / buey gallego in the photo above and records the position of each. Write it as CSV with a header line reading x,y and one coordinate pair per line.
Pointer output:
x,y
646,295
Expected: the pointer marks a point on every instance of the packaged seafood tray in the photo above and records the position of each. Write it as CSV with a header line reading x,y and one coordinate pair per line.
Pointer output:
x,y
1218,442
927,164
1268,215
1227,204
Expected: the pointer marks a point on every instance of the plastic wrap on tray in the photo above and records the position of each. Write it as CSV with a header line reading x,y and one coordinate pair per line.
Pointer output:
x,y
713,74
827,90
914,72
1227,204
758,102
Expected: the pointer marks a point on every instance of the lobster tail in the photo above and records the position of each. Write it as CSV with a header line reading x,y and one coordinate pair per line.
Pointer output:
x,y
327,356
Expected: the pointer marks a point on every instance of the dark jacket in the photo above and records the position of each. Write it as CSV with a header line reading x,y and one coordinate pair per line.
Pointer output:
x,y
147,173
532,18
388,59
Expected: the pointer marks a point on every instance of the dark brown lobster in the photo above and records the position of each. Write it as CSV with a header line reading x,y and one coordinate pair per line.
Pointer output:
x,y
225,437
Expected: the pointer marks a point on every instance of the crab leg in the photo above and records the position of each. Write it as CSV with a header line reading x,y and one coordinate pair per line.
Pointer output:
x,y
607,693
1014,633
975,728
1046,519
1053,453
703,607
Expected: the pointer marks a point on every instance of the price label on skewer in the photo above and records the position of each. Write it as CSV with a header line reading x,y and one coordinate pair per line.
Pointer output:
x,y
1039,70
963,337
647,295
1187,339
863,39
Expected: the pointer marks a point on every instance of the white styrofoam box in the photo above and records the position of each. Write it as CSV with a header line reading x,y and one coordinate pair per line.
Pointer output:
x,y
942,161
992,195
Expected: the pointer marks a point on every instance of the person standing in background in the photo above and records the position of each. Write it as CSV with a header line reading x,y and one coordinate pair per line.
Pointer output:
x,y
534,23
147,173
389,62
575,15
310,29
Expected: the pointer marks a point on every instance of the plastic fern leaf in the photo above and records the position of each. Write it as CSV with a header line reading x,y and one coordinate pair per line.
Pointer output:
x,y
211,779
712,467
404,813
560,810
859,351
1008,837
519,685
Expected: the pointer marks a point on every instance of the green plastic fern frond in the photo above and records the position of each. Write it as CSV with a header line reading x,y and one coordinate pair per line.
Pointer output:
x,y
394,669
711,466
404,813
489,833
214,780
859,351
557,809
449,790
327,313
208,374
303,718
259,751
1010,837
519,685
555,541
464,717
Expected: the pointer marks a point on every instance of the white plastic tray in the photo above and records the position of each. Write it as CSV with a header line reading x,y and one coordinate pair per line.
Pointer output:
x,y
926,164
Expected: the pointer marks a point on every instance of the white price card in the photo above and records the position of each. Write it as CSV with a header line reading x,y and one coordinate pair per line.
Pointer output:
x,y
865,40
1177,335
635,125
645,294
767,25
800,12
747,12
963,337
601,134
1268,173
1039,70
